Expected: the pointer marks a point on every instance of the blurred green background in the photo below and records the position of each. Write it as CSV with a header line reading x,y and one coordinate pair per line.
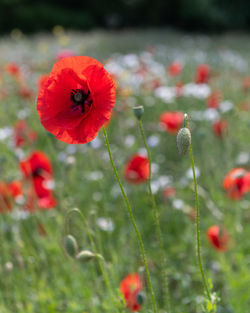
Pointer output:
x,y
197,15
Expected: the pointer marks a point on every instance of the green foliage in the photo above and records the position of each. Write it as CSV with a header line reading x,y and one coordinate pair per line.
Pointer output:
x,y
211,15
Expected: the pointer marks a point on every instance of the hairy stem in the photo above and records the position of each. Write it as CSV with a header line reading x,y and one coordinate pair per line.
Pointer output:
x,y
132,219
156,220
198,226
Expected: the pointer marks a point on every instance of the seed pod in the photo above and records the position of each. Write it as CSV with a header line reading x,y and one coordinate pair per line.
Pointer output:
x,y
140,298
183,140
71,246
86,256
138,111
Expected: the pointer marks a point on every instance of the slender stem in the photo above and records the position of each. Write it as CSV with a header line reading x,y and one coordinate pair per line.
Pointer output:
x,y
198,225
103,271
132,219
156,219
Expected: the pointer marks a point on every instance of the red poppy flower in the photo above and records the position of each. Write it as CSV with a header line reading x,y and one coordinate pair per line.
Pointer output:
x,y
137,169
169,192
34,201
214,99
12,68
218,237
22,134
171,121
76,100
202,73
5,198
220,128
38,168
25,93
15,189
37,164
130,287
175,68
237,183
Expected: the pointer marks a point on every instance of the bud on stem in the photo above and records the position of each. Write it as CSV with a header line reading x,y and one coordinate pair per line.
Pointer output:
x,y
138,111
183,139
71,246
86,256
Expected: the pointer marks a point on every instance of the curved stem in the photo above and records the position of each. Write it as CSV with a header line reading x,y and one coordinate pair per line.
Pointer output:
x,y
132,219
156,219
198,226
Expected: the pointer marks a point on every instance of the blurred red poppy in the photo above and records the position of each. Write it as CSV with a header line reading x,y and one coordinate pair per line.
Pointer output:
x,y
218,237
43,200
169,193
12,69
131,287
5,198
76,100
214,99
38,168
220,128
175,68
25,93
137,169
202,73
37,164
22,134
15,189
171,121
237,183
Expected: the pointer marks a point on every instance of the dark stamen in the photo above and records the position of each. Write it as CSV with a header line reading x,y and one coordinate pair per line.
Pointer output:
x,y
80,98
37,172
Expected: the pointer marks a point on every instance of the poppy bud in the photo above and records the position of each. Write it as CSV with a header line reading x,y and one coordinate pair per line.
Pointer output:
x,y
183,140
86,256
140,298
138,111
71,246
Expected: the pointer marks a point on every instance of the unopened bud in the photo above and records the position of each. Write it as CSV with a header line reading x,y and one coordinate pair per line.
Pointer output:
x,y
71,246
138,111
86,256
183,140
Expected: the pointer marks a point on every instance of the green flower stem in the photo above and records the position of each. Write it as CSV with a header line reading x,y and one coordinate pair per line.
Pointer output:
x,y
198,226
103,271
132,219
156,219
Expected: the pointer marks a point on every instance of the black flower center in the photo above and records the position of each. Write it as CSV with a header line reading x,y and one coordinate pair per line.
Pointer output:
x,y
37,172
81,100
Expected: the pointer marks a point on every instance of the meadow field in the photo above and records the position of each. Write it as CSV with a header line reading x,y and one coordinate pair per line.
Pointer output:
x,y
50,189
